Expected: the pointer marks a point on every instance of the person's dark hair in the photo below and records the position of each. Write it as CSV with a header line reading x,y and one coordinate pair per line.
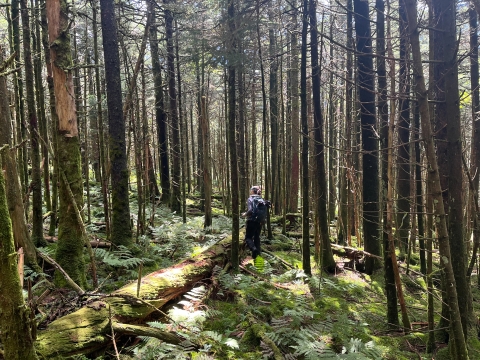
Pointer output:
x,y
256,190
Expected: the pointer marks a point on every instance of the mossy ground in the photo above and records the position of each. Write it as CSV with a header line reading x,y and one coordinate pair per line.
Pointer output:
x,y
333,314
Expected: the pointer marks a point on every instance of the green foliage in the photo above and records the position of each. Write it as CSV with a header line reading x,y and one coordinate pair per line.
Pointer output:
x,y
120,258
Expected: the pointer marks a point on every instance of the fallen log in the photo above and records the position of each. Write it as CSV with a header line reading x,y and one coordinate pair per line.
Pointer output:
x,y
93,243
88,329
352,253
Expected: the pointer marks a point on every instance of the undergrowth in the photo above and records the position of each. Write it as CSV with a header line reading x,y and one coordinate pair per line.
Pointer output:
x,y
243,316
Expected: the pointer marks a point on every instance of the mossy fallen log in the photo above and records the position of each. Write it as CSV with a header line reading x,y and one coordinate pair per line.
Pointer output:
x,y
88,329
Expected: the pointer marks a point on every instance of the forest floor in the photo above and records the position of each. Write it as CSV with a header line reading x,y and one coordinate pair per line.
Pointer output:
x,y
279,313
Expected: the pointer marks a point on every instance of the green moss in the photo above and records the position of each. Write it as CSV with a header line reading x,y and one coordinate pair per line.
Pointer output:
x,y
15,331
68,334
62,49
69,253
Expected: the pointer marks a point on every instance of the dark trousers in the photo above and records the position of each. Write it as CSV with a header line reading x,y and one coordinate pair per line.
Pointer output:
x,y
252,237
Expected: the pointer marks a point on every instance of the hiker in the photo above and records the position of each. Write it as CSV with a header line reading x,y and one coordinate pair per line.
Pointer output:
x,y
256,215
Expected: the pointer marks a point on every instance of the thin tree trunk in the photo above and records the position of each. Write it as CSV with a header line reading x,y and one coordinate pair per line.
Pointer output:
x,y
273,97
431,343
207,179
101,135
19,100
398,281
457,335
326,257
15,318
36,182
403,154
304,121
160,116
242,165
449,146
13,187
182,131
295,122
366,91
54,122
390,289
474,88
419,192
40,96
121,232
172,93
232,47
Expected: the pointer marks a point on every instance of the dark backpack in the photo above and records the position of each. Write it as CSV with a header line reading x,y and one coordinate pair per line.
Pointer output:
x,y
259,209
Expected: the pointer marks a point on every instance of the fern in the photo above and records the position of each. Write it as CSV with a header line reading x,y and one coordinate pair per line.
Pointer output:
x,y
356,349
120,258
312,349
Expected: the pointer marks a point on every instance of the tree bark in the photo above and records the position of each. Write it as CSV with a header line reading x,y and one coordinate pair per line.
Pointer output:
x,y
403,130
274,118
304,121
232,50
15,320
449,146
390,289
36,182
458,347
326,257
121,233
292,190
173,111
160,115
70,228
100,118
13,187
207,179
366,91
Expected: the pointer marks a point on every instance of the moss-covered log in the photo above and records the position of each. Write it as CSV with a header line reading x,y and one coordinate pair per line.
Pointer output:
x,y
88,329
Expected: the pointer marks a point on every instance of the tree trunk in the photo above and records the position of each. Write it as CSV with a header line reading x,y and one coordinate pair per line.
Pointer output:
x,y
232,50
40,97
403,155
121,233
207,179
54,122
449,146
13,188
19,100
366,91
458,347
15,318
292,190
304,120
172,93
273,97
160,116
390,289
326,257
36,182
101,136
69,253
